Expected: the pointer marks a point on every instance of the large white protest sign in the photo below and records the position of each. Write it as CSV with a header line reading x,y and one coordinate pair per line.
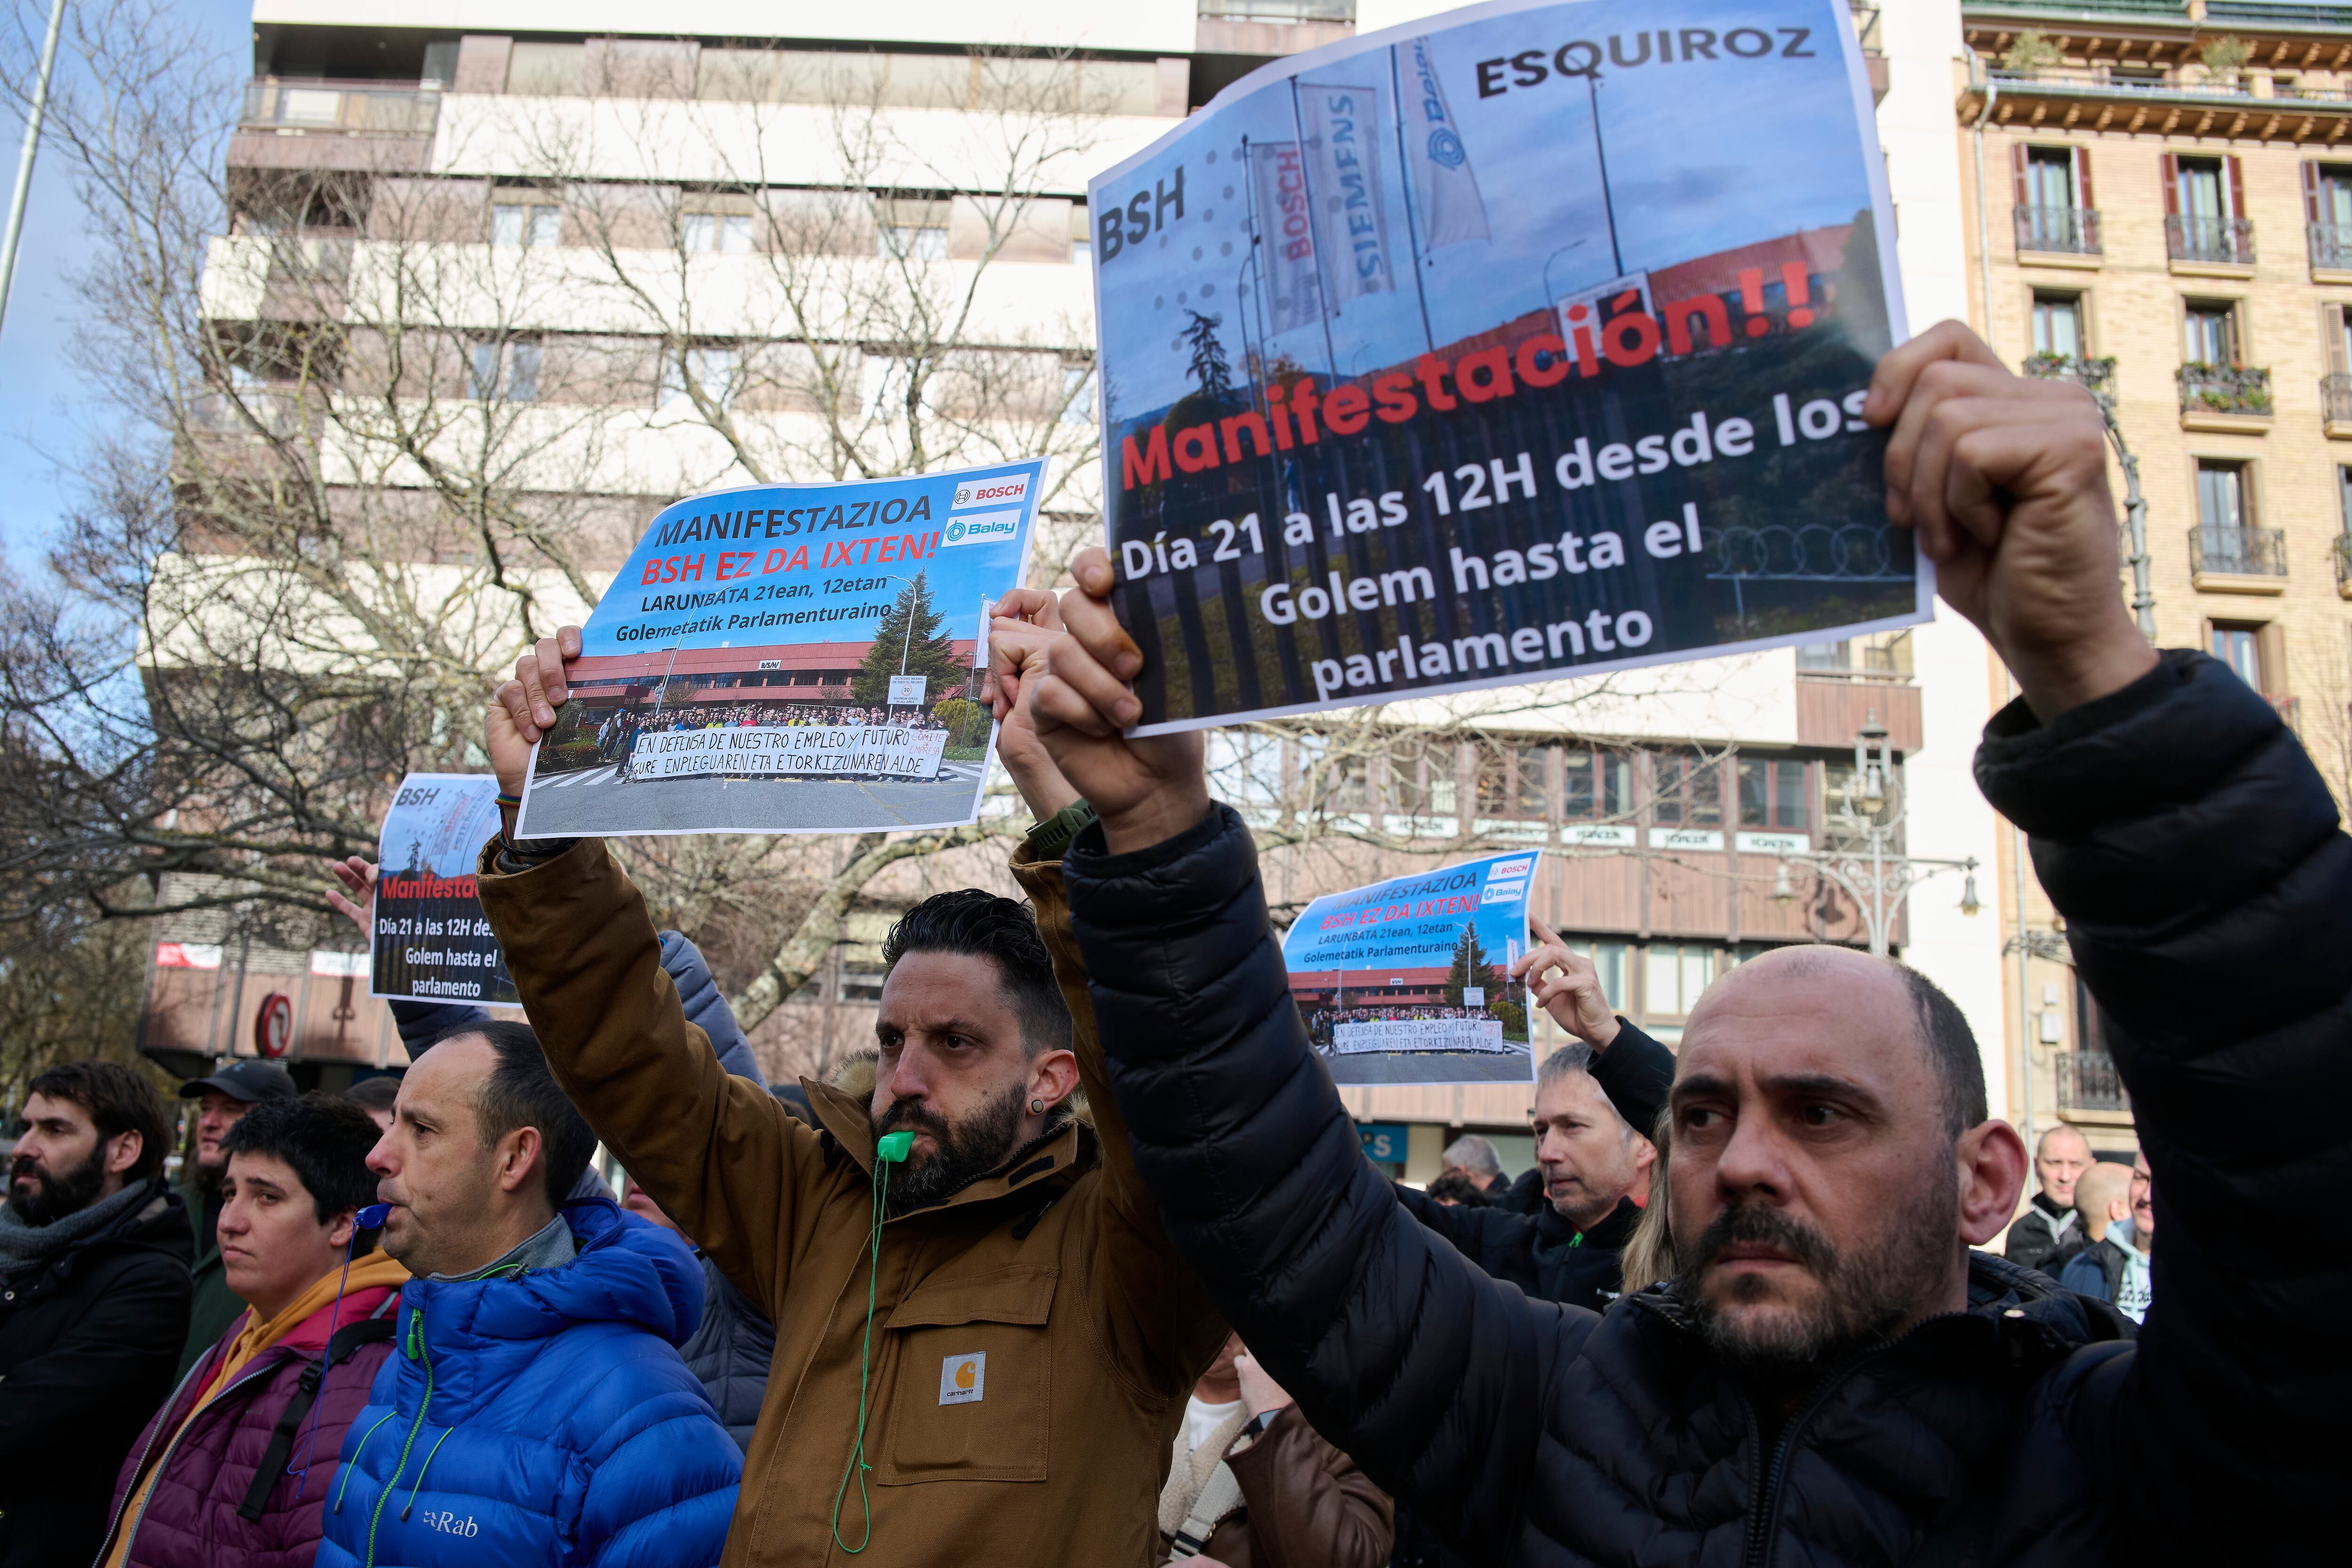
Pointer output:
x,y
1420,1035
1526,341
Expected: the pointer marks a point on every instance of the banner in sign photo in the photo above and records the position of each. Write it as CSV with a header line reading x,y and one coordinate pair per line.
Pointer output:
x,y
1408,981
431,942
1521,344
791,659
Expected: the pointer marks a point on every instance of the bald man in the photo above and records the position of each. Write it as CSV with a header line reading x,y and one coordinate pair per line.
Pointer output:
x,y
2048,1223
1836,1374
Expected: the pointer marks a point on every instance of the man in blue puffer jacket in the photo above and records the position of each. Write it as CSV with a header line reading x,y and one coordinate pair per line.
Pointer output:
x,y
535,1409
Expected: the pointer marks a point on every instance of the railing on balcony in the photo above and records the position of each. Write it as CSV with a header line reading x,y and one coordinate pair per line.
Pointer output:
x,y
2098,374
2096,83
2225,241
2335,399
2239,551
2224,389
353,108
2087,1080
2331,245
2066,231
2341,548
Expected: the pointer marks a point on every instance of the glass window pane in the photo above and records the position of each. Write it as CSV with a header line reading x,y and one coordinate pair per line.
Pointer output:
x,y
506,224
2219,507
1666,804
1755,793
1617,786
1705,792
522,371
1789,796
695,231
1534,803
1662,978
485,378
546,224
1698,968
735,234
1577,783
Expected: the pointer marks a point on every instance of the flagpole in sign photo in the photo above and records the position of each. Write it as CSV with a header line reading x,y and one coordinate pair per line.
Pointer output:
x,y
1524,342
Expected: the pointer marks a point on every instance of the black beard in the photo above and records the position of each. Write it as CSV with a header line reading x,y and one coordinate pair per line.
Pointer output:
x,y
41,1198
1864,1296
964,1152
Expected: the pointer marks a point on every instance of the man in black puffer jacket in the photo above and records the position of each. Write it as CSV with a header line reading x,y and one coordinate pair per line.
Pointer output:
x,y
1835,1377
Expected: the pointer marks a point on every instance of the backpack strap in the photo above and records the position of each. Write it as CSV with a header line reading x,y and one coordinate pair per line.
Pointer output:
x,y
346,1341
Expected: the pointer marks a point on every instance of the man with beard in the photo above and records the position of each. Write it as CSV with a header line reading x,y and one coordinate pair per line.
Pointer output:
x,y
1834,1375
984,1340
94,1251
221,1100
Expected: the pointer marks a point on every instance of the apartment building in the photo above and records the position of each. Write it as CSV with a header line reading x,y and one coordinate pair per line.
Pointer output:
x,y
637,261
2161,195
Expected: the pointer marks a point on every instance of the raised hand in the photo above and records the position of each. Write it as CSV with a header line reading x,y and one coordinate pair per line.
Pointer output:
x,y
2004,479
1566,985
1145,789
1022,626
524,708
356,902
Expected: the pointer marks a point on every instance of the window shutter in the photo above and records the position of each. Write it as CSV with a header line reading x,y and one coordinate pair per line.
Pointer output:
x,y
2311,190
2017,171
2083,197
2169,167
2237,187
2331,333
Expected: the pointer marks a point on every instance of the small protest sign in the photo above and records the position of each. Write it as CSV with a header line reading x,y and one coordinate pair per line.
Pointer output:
x,y
791,658
1521,343
1408,981
431,943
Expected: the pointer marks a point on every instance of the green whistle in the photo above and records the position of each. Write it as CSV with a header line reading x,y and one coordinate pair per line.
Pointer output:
x,y
893,1146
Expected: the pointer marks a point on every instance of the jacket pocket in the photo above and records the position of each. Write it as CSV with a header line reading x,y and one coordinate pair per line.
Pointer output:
x,y
973,1391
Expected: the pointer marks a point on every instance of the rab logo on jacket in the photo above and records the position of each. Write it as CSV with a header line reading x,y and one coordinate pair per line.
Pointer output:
x,y
963,1378
450,1524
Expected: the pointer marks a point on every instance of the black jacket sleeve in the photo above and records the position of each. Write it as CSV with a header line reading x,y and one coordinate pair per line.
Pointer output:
x,y
2194,852
1500,1243
117,1355
1635,1072
1397,1349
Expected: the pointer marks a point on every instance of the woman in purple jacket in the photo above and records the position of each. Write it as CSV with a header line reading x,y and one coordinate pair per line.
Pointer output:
x,y
234,1470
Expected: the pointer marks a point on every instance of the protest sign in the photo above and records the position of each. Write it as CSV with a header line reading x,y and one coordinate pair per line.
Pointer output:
x,y
791,658
1523,343
431,943
1408,981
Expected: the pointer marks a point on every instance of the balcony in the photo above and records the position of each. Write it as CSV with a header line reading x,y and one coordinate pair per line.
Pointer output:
x,y
2238,560
2340,547
2224,397
2057,231
2210,242
318,122
2087,1080
2331,248
2336,406
1874,46
2096,375
1271,27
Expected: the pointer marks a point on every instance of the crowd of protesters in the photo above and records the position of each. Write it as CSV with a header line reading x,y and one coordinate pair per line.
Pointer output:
x,y
1084,1263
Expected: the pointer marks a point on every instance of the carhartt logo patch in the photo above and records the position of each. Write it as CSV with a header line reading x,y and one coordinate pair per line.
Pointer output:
x,y
963,1378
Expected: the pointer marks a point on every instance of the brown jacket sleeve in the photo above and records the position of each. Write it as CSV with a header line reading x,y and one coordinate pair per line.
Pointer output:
x,y
1309,1507
721,1156
1163,1330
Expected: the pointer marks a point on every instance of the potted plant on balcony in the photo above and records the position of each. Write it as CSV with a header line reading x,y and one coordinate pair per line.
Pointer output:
x,y
2225,59
2031,55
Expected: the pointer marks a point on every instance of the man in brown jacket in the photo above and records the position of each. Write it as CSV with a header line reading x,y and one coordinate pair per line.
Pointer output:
x,y
1032,1334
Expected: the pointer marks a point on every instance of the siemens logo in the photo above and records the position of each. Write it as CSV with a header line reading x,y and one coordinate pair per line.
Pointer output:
x,y
980,492
980,527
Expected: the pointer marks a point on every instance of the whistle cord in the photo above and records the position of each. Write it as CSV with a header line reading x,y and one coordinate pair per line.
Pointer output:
x,y
888,1152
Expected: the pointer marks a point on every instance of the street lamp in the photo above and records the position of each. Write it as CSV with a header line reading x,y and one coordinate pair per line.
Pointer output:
x,y
1874,873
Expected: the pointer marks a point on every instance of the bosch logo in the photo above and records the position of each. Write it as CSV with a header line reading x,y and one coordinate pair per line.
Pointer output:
x,y
992,489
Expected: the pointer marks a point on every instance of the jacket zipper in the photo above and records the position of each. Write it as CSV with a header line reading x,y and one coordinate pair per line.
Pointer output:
x,y
170,1448
416,1331
1767,1501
